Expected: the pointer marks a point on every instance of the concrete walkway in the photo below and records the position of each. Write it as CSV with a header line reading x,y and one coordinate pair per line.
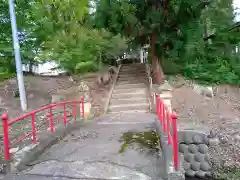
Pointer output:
x,y
95,152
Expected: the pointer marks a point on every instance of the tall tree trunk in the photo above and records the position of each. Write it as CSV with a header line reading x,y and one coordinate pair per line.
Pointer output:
x,y
157,69
30,66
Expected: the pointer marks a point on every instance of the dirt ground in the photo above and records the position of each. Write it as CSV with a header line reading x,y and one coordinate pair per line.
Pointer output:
x,y
221,114
39,90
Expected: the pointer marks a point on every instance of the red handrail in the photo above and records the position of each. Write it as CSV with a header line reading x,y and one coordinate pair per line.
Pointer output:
x,y
168,121
32,114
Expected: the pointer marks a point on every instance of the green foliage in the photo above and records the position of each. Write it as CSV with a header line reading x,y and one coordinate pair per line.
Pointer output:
x,y
83,51
29,42
60,30
89,66
184,23
65,31
72,41
6,75
219,71
212,61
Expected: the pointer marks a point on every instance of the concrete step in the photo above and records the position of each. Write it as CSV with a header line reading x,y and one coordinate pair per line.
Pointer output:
x,y
132,70
129,95
134,74
132,77
139,79
129,101
134,65
129,111
129,90
127,107
133,81
129,86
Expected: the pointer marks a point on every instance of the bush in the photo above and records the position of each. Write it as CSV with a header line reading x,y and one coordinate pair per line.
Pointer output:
x,y
6,75
217,70
85,50
84,67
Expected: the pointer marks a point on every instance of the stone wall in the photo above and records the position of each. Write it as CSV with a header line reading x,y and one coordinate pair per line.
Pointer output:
x,y
194,147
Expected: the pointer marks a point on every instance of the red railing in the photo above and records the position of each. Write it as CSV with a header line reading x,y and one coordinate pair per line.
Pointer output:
x,y
168,122
48,119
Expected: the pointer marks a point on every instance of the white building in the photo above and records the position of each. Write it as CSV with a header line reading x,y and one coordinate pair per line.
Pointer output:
x,y
46,69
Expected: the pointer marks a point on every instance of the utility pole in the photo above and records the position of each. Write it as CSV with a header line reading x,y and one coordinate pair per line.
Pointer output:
x,y
17,55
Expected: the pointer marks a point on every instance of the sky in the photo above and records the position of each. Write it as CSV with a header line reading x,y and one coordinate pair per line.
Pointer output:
x,y
236,4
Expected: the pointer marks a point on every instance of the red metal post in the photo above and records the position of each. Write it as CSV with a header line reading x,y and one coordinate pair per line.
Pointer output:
x,y
75,111
64,114
175,140
51,124
164,116
157,106
34,140
82,103
5,136
160,111
168,127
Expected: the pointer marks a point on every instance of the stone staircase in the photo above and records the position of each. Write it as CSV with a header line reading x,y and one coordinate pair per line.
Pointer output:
x,y
130,93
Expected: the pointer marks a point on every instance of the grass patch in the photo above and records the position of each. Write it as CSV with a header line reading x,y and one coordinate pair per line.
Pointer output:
x,y
230,174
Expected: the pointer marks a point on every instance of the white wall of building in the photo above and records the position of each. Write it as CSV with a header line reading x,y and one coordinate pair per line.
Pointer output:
x,y
48,68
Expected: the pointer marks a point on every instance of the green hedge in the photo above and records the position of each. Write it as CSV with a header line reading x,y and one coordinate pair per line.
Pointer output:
x,y
6,75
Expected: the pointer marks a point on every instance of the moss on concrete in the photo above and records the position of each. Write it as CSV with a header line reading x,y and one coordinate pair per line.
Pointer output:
x,y
146,140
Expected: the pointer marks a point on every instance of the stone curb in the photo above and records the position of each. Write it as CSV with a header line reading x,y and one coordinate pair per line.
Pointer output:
x,y
167,160
151,101
46,140
111,90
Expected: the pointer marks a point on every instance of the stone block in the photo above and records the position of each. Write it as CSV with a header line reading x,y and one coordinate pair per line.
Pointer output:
x,y
166,95
199,157
190,173
87,109
193,148
183,148
195,166
203,148
189,157
197,139
205,166
214,141
200,174
186,165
